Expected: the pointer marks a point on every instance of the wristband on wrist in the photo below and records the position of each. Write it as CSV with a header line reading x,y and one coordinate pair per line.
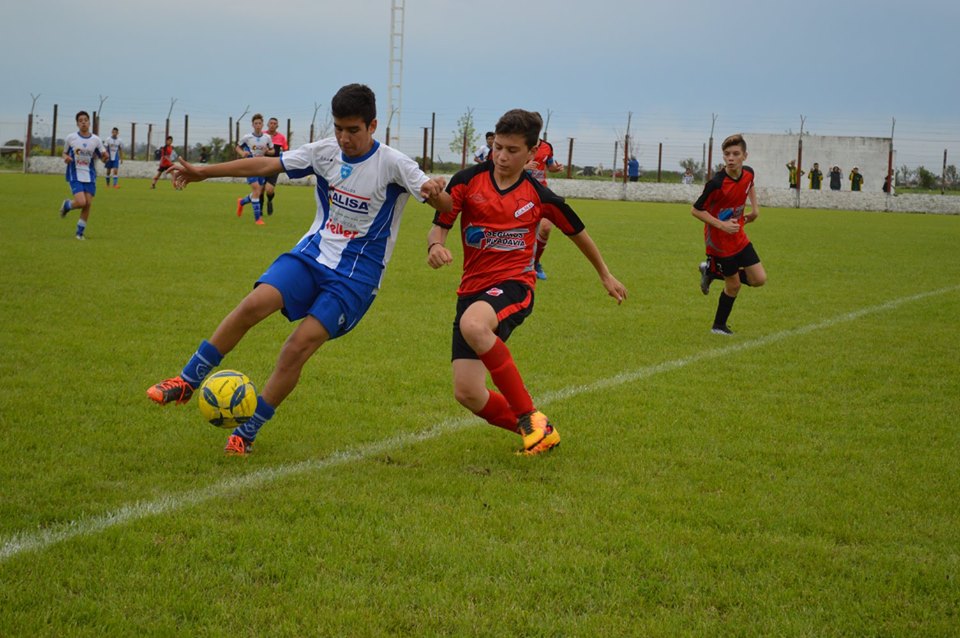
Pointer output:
x,y
432,245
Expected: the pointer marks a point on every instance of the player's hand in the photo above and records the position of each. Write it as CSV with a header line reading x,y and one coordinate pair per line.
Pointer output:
x,y
67,159
432,187
183,173
729,226
750,217
615,289
439,256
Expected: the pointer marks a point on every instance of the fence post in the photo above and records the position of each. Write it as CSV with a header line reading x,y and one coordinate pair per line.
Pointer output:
x,y
26,145
186,144
289,134
570,159
133,140
659,162
53,134
149,140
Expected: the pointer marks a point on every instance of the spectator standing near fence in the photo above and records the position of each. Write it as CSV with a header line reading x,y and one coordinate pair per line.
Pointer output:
x,y
815,177
687,177
279,146
633,169
79,151
794,174
114,146
836,178
730,253
856,179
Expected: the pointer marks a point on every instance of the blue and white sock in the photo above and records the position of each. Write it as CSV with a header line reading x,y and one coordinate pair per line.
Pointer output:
x,y
245,201
81,226
115,180
261,415
256,209
203,361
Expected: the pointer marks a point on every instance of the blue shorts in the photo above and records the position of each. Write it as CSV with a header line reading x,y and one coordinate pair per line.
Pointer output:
x,y
309,288
83,187
112,164
257,180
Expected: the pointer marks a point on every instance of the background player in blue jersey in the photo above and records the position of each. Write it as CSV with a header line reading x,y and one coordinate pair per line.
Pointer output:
x,y
79,151
331,277
255,144
114,146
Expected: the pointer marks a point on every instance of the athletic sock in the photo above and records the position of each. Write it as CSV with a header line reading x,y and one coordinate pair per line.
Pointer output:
x,y
205,359
497,412
724,306
81,226
256,209
115,180
261,415
246,200
541,246
499,362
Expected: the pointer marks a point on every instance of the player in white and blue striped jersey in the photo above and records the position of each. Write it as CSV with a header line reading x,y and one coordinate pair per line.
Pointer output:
x,y
80,149
331,277
255,144
114,146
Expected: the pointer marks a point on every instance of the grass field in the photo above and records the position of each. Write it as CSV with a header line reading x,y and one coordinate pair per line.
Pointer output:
x,y
798,479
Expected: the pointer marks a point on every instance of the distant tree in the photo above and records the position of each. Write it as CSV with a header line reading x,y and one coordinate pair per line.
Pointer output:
x,y
466,129
926,179
904,175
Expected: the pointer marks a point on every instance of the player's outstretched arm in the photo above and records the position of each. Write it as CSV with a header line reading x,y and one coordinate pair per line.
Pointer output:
x,y
184,172
589,249
432,192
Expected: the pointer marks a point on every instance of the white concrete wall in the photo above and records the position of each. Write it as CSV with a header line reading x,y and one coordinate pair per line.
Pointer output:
x,y
776,196
768,155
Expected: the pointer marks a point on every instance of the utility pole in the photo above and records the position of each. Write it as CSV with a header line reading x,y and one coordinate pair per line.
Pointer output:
x,y
395,87
713,123
166,133
800,158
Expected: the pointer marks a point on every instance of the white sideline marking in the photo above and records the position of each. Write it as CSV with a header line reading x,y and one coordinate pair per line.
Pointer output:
x,y
22,542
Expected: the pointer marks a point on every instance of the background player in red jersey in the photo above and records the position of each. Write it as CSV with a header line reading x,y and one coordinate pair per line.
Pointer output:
x,y
541,162
730,254
279,145
500,206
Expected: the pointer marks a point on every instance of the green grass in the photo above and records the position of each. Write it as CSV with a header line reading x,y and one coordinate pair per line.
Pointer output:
x,y
802,483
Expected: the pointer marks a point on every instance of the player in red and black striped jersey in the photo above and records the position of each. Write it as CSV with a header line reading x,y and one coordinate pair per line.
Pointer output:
x,y
538,166
500,206
730,254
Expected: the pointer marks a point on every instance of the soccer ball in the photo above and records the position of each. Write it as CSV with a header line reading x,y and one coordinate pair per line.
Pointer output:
x,y
227,399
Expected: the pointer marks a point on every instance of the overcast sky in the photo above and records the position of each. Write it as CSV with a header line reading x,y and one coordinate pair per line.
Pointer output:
x,y
848,66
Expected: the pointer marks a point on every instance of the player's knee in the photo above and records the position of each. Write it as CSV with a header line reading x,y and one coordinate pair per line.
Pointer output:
x,y
468,396
731,287
757,281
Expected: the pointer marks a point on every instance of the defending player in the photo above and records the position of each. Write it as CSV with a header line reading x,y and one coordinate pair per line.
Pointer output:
x,y
279,145
114,146
500,206
538,166
167,157
730,254
255,144
79,150
331,277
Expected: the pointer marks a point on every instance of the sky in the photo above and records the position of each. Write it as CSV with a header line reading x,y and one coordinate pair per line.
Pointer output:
x,y
671,69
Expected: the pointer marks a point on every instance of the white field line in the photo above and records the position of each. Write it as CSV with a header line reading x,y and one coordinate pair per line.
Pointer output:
x,y
27,541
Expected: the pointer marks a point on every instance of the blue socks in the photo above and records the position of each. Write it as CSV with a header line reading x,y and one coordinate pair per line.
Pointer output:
x,y
261,415
205,359
256,209
245,201
81,226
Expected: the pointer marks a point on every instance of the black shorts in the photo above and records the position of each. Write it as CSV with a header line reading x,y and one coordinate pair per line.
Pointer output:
x,y
163,169
272,179
511,300
728,266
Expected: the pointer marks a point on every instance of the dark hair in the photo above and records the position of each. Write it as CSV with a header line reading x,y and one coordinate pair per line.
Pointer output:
x,y
489,134
355,100
734,140
273,119
79,113
116,129
256,116
169,138
520,122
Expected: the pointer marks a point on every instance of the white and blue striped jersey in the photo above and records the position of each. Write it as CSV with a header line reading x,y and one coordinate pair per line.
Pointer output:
x,y
113,146
82,150
360,201
256,145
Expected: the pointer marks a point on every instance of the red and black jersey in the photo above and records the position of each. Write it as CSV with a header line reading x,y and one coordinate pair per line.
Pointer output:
x,y
166,156
544,158
499,227
725,198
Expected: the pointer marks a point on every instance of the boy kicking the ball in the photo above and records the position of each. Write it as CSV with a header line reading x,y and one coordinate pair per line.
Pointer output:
x,y
730,254
500,207
331,277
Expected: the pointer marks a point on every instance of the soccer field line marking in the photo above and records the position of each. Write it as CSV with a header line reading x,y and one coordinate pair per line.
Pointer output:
x,y
27,541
